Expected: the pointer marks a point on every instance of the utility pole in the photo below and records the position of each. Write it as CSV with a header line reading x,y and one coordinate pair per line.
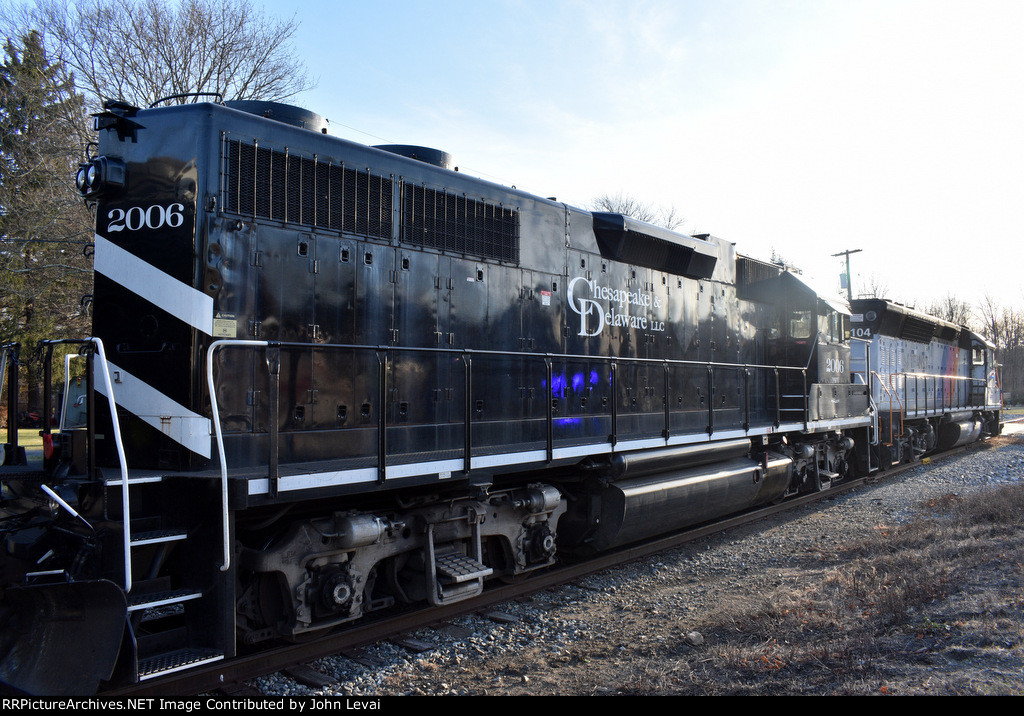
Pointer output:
x,y
849,283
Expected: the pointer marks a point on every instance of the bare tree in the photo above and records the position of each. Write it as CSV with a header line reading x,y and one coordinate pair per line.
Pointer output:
x,y
875,288
952,309
667,217
1004,326
1012,354
140,51
991,319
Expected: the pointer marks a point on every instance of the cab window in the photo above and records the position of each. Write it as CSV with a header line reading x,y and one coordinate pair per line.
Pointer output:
x,y
830,327
800,324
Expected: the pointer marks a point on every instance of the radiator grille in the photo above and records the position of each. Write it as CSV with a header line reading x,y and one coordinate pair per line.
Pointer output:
x,y
917,330
453,222
281,186
750,270
266,183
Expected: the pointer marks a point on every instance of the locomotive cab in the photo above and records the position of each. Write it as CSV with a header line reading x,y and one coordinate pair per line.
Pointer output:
x,y
985,383
811,329
985,377
814,334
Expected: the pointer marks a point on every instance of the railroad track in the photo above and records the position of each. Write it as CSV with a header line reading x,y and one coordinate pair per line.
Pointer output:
x,y
228,677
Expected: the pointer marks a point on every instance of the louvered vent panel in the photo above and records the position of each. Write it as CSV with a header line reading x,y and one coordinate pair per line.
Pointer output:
x,y
264,183
455,223
917,330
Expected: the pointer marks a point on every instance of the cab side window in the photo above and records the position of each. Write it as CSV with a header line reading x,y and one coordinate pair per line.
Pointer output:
x,y
800,324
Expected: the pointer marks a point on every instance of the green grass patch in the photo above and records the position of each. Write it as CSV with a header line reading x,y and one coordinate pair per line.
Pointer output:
x,y
30,438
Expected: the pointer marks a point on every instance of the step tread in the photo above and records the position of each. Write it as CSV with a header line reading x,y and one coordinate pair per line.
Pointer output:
x,y
456,567
154,536
176,660
133,480
159,599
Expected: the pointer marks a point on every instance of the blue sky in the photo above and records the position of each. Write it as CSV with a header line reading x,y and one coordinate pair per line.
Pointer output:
x,y
800,127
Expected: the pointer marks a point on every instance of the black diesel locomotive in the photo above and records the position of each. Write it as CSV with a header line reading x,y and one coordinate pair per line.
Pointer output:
x,y
327,379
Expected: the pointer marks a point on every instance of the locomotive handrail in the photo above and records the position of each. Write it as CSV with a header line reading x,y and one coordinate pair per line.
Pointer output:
x,y
508,354
883,386
814,349
383,353
938,375
778,397
806,391
9,353
865,378
949,400
218,95
807,398
999,386
4,349
902,409
225,529
946,399
119,443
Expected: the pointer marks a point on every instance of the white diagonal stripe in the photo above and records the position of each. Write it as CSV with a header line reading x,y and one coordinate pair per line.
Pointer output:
x,y
159,288
172,419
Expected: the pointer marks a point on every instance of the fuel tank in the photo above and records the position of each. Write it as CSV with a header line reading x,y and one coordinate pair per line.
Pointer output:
x,y
645,503
959,433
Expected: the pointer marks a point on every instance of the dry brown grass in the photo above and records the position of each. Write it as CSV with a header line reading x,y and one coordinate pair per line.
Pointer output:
x,y
902,606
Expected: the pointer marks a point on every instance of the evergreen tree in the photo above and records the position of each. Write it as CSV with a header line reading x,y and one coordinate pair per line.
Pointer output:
x,y
44,225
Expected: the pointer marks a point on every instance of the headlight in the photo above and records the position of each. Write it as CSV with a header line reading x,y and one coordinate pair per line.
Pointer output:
x,y
80,178
100,176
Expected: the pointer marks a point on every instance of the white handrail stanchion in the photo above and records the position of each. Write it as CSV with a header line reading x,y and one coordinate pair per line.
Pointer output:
x,y
220,441
125,507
